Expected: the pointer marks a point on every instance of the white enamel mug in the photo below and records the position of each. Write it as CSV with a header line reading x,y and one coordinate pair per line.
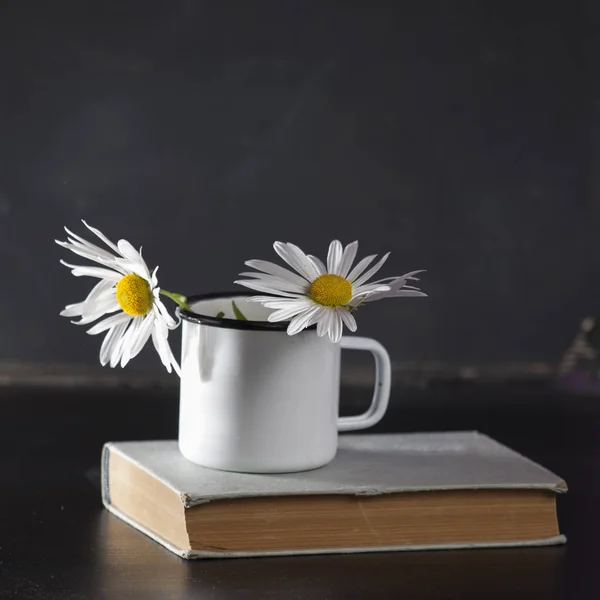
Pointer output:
x,y
254,399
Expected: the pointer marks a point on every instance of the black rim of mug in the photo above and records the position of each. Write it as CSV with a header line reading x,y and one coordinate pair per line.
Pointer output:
x,y
214,321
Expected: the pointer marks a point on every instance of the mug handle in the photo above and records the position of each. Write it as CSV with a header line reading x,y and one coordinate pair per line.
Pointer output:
x,y
383,380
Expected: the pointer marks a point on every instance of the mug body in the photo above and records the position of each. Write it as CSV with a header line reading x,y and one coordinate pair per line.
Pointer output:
x,y
252,398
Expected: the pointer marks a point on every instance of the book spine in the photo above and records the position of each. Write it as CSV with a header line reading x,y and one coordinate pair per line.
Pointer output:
x,y
104,474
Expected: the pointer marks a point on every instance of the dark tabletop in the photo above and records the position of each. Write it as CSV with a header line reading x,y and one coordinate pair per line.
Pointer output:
x,y
57,541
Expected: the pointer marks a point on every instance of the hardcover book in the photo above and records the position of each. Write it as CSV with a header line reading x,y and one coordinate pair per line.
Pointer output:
x,y
382,492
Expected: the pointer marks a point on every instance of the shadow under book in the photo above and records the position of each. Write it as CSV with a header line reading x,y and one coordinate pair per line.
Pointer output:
x,y
382,492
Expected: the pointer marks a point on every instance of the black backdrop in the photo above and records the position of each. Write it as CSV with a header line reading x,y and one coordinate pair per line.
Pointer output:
x,y
458,135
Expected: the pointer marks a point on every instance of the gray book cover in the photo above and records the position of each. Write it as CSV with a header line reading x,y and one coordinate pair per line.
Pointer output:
x,y
365,464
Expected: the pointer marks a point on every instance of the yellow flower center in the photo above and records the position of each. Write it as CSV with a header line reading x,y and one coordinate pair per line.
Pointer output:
x,y
331,290
134,295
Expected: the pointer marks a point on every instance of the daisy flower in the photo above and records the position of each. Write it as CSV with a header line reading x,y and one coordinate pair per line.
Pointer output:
x,y
322,295
129,293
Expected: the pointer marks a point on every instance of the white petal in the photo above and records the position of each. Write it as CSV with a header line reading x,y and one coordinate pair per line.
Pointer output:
x,y
399,288
366,290
271,300
93,252
111,342
154,278
289,302
380,295
321,268
366,276
108,323
406,294
156,336
348,258
348,319
72,310
276,301
396,283
92,247
284,314
253,285
82,271
118,348
128,251
169,321
143,335
100,307
323,324
101,236
102,288
276,270
138,268
360,267
334,257
412,274
138,260
300,305
392,283
294,257
130,339
283,251
369,287
85,253
335,326
410,287
385,280
76,310
90,317
174,362
311,272
302,320
159,339
317,316
279,283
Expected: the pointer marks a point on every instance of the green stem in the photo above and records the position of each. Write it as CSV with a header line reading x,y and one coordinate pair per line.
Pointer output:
x,y
238,313
179,299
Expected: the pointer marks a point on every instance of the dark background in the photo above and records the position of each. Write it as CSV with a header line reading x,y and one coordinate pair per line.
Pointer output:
x,y
461,136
